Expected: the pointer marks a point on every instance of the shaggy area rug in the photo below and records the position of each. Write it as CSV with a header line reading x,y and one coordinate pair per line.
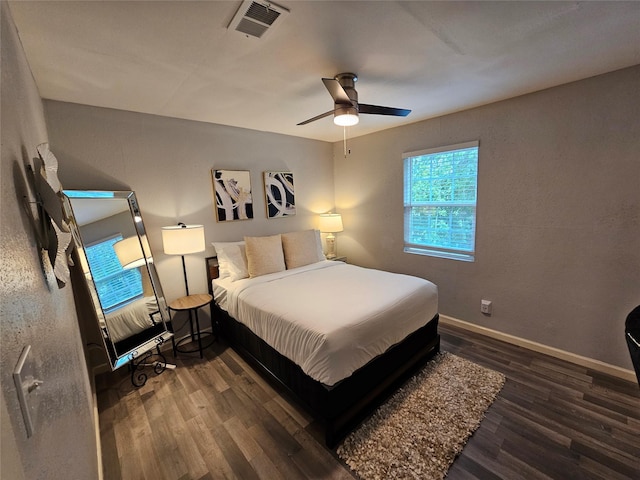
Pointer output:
x,y
419,431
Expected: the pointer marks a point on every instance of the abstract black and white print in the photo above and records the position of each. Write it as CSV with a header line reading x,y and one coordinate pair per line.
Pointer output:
x,y
280,197
232,190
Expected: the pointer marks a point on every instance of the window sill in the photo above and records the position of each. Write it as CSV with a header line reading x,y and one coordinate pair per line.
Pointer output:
x,y
463,257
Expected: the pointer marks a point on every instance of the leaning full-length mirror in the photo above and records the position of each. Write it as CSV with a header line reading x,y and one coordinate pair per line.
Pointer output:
x,y
117,266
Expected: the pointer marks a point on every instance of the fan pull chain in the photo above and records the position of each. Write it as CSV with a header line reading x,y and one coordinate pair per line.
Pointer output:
x,y
344,138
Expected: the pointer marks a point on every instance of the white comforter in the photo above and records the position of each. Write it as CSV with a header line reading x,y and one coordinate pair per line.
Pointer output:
x,y
131,319
331,318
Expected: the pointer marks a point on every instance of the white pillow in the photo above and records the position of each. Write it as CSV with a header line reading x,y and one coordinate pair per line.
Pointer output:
x,y
232,260
321,255
264,255
301,248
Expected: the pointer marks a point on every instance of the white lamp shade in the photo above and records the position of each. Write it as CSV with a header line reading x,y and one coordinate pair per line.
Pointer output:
x,y
129,252
330,222
182,240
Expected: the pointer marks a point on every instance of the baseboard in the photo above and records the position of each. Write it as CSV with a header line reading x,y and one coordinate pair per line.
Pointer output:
x,y
587,362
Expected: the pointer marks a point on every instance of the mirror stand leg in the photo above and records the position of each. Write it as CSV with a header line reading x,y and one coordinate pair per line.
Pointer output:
x,y
138,375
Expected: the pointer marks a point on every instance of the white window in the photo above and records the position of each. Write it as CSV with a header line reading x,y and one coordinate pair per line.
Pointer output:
x,y
114,284
440,193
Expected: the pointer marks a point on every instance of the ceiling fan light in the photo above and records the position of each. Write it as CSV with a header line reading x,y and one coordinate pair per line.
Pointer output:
x,y
346,116
346,120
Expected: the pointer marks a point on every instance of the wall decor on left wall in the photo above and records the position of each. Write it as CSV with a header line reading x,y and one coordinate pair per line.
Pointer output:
x,y
49,219
232,192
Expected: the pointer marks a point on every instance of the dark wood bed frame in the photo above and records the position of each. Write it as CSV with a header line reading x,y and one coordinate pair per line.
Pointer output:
x,y
344,405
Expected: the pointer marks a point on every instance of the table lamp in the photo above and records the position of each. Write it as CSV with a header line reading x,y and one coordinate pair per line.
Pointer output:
x,y
181,240
331,223
129,252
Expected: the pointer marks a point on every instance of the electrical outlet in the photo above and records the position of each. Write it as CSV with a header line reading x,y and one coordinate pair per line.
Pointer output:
x,y
485,307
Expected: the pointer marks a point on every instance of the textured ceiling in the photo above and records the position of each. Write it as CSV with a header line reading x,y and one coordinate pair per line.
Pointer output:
x,y
178,59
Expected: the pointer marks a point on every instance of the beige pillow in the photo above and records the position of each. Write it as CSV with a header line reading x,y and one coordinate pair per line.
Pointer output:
x,y
300,248
264,255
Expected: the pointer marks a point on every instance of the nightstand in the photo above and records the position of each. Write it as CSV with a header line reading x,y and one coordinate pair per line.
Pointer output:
x,y
192,304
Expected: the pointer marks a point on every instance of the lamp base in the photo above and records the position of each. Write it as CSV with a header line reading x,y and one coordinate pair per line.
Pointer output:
x,y
331,247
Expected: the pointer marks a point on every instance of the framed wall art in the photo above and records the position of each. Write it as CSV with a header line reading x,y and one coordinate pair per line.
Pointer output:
x,y
232,191
279,193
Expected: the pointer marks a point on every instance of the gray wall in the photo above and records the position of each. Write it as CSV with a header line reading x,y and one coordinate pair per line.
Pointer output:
x,y
558,219
33,310
168,163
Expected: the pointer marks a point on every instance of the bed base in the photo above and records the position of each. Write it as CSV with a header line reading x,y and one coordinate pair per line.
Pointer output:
x,y
344,405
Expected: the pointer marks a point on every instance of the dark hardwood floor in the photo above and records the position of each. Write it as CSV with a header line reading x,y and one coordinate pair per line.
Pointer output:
x,y
217,418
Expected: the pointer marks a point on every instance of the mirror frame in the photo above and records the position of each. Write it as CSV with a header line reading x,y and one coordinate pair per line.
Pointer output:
x,y
118,359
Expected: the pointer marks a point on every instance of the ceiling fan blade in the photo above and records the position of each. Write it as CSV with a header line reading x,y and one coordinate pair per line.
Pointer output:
x,y
322,115
378,110
336,91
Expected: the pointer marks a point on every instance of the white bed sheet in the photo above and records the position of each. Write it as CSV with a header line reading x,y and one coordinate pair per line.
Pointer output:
x,y
131,319
220,287
330,318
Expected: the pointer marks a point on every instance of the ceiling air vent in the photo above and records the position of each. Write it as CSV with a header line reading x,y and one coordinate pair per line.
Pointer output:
x,y
255,19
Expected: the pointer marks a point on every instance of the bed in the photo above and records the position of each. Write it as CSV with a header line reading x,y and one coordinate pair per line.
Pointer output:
x,y
131,318
337,337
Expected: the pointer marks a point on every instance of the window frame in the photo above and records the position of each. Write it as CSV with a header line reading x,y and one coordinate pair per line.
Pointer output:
x,y
431,249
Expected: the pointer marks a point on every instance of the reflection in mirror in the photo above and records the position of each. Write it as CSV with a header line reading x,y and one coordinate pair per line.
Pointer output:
x,y
119,272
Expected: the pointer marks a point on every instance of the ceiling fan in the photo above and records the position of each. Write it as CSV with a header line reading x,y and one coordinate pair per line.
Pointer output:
x,y
346,107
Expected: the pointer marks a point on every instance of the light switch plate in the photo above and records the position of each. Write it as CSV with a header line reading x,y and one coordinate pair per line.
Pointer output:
x,y
24,377
485,307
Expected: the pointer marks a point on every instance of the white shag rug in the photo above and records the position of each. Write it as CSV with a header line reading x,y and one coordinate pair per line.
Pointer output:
x,y
419,431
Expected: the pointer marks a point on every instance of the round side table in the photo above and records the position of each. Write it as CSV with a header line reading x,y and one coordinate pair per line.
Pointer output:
x,y
191,304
